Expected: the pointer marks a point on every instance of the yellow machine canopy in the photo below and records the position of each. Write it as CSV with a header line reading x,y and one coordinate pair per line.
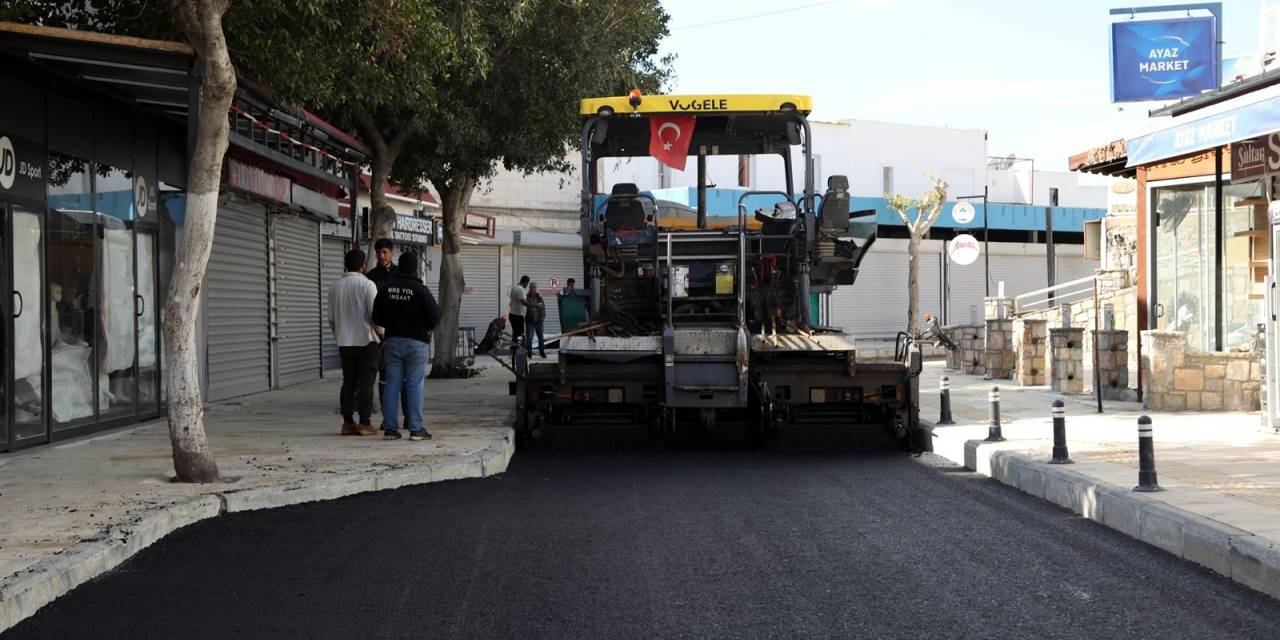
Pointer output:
x,y
693,105
731,124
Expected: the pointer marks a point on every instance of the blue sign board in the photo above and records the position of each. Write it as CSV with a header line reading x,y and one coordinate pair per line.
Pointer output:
x,y
1206,133
1163,59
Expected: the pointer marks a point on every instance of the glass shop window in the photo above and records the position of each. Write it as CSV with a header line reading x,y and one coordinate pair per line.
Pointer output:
x,y
72,295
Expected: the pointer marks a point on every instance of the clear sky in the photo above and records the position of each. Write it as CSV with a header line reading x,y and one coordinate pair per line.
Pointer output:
x,y
1033,73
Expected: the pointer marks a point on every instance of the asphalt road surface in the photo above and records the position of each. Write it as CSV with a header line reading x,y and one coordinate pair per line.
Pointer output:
x,y
661,544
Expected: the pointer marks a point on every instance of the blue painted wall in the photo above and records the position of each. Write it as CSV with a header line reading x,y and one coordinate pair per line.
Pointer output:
x,y
1017,217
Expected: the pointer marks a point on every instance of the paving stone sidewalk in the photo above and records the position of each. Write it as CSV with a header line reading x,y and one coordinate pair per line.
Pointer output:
x,y
1217,469
77,508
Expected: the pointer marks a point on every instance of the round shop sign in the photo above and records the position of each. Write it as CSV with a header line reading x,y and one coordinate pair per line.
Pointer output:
x,y
964,249
963,213
141,199
8,163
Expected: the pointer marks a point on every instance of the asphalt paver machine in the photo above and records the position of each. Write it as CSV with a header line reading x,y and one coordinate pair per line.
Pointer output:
x,y
706,322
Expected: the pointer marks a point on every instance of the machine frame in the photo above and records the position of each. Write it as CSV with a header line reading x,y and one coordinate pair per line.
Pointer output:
x,y
673,348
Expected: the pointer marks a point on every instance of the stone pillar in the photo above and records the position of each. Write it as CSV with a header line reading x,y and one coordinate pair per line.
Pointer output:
x,y
1163,353
1029,338
1113,363
1066,360
997,308
1000,358
968,357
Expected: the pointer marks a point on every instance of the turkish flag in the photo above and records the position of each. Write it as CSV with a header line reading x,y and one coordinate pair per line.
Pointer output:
x,y
669,139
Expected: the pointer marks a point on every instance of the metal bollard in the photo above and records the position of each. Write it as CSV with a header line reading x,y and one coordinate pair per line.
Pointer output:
x,y
1146,458
993,428
1060,433
944,390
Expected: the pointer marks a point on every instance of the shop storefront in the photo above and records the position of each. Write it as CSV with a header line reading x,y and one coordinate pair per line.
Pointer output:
x,y
1205,247
1209,251
85,194
93,148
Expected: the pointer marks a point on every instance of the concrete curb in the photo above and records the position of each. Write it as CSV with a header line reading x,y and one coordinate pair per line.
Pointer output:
x,y
22,595
1246,558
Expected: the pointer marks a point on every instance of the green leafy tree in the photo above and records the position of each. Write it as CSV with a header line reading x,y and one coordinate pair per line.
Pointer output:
x,y
515,105
919,216
367,65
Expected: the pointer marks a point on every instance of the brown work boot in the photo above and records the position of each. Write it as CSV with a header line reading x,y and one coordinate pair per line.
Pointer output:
x,y
366,429
350,429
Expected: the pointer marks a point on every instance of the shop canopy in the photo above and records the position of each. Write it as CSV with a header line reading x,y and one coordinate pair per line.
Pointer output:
x,y
1192,135
158,76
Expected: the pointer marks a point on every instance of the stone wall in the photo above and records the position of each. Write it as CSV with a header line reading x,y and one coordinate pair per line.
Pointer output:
x,y
1000,356
999,350
1122,242
1175,380
1116,291
883,351
1066,360
1029,344
1113,364
970,355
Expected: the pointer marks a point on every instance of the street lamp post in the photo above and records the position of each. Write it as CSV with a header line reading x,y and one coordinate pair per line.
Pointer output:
x,y
986,244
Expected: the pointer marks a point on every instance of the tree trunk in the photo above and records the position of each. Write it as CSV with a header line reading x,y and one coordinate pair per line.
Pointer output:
x,y
382,218
913,285
201,20
455,197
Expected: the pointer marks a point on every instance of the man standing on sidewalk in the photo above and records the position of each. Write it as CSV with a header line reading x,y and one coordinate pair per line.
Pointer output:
x,y
407,311
536,314
384,250
518,303
351,301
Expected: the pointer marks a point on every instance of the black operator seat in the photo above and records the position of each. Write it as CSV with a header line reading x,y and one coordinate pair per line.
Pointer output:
x,y
625,208
835,205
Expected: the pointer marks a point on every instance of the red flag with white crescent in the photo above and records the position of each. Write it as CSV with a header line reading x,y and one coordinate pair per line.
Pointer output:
x,y
669,139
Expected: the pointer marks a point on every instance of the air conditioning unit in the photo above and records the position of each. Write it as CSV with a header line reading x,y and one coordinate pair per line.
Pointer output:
x,y
1093,239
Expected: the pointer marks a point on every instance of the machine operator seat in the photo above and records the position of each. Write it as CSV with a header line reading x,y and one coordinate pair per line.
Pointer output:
x,y
626,209
835,205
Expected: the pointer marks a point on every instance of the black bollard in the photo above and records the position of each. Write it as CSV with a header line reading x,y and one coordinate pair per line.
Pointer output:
x,y
1146,458
993,428
1060,433
944,390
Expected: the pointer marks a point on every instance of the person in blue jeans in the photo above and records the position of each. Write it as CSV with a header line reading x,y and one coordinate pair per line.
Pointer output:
x,y
407,311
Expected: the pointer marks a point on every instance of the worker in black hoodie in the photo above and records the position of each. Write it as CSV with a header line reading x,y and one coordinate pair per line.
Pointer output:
x,y
407,311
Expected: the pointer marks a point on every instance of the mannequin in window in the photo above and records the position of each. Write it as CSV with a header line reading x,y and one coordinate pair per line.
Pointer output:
x,y
55,299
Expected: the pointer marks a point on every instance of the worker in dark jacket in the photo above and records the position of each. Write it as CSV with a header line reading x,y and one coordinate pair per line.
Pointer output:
x,y
407,311
385,250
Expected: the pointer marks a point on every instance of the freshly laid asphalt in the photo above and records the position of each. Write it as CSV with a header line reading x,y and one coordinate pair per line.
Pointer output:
x,y
665,544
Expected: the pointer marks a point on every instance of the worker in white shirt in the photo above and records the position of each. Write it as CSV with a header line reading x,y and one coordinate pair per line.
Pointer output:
x,y
350,318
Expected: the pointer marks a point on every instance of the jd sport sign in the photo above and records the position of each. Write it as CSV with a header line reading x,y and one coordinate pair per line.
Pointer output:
x,y
21,167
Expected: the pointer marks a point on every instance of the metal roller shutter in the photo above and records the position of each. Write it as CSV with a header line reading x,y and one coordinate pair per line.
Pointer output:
x,y
482,300
331,269
876,305
542,264
1020,274
967,288
237,306
297,286
1073,267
